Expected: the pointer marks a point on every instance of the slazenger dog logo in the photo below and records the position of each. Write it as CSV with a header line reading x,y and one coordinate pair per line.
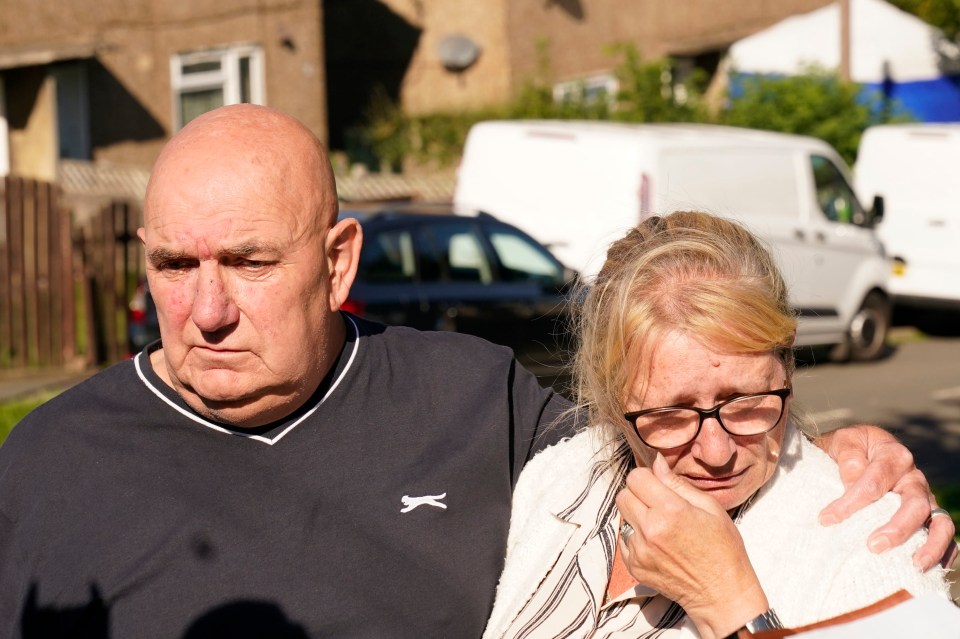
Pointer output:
x,y
427,500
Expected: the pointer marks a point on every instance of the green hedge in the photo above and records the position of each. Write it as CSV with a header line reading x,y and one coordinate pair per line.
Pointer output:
x,y
816,103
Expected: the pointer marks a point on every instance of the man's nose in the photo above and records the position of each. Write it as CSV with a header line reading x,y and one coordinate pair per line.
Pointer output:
x,y
714,446
213,306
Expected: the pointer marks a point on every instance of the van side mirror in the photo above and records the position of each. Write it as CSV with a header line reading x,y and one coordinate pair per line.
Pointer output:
x,y
876,211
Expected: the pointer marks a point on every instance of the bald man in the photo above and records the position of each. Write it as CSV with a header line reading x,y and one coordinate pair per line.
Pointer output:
x,y
274,467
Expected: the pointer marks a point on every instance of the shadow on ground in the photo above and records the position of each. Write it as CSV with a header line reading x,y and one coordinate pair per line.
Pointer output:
x,y
935,443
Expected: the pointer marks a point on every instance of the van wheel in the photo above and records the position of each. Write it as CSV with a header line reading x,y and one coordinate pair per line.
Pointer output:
x,y
867,334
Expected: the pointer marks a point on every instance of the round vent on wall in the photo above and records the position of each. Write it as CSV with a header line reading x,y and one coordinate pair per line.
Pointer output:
x,y
457,52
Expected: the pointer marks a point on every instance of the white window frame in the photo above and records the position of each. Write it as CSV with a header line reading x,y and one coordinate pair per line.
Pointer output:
x,y
588,88
226,78
4,144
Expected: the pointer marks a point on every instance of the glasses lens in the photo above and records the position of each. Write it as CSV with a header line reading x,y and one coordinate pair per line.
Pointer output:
x,y
668,428
752,415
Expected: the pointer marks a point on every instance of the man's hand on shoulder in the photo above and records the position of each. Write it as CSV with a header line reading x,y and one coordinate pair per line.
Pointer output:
x,y
872,462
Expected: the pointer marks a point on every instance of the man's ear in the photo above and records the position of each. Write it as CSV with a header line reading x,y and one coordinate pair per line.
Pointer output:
x,y
343,254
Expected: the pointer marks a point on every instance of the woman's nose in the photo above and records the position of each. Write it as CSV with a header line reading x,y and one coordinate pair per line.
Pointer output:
x,y
714,446
213,307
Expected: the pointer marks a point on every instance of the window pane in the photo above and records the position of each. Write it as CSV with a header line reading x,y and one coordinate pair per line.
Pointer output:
x,y
460,250
205,80
200,67
245,80
834,195
197,103
522,260
387,257
431,258
466,259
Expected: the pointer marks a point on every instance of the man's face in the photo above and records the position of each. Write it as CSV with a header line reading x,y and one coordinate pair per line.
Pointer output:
x,y
237,266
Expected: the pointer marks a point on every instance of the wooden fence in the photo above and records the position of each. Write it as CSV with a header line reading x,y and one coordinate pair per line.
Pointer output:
x,y
64,285
113,259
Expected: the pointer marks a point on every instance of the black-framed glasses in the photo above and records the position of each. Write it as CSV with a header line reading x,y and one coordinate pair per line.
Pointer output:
x,y
675,426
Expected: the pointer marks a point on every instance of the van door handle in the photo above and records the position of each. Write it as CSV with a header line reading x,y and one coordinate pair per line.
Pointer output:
x,y
821,236
799,234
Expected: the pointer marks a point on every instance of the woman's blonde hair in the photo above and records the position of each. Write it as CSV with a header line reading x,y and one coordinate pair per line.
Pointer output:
x,y
687,272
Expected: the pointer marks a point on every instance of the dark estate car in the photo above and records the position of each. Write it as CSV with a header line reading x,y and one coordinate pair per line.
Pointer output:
x,y
439,271
142,324
477,275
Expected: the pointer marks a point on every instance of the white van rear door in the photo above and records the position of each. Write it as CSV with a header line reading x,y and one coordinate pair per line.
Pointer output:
x,y
915,170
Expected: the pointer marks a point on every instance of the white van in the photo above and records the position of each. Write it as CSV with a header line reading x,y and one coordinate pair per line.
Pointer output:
x,y
577,186
916,169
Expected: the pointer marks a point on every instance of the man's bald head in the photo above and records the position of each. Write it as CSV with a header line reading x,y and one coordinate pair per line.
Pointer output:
x,y
249,136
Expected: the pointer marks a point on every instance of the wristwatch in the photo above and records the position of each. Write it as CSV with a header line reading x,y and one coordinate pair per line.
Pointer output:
x,y
764,621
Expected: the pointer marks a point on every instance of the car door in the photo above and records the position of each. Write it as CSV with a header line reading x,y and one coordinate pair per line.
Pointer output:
x,y
533,285
840,248
494,282
386,288
456,278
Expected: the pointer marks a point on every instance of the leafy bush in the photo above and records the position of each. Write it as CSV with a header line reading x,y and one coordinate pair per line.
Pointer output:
x,y
943,14
816,103
649,92
646,95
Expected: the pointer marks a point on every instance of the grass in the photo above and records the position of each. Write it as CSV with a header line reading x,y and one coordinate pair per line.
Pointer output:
x,y
13,411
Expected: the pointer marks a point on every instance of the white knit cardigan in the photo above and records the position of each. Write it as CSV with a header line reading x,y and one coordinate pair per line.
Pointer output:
x,y
809,572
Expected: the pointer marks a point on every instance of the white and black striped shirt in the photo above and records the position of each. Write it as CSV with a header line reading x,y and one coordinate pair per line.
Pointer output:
x,y
570,601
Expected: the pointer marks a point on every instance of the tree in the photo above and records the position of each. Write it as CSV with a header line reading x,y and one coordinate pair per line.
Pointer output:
x,y
817,103
650,93
943,14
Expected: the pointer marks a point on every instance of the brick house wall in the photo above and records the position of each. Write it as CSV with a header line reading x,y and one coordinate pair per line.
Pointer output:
x,y
577,31
129,100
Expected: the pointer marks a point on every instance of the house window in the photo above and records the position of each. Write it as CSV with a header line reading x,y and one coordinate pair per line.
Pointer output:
x,y
204,80
587,90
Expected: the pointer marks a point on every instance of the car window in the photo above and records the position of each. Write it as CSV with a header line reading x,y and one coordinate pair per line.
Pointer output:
x,y
387,257
834,195
454,249
523,260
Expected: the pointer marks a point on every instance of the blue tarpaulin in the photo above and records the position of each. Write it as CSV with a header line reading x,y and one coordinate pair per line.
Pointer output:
x,y
891,52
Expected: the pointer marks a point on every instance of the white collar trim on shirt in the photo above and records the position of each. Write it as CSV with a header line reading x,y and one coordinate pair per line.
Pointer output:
x,y
260,438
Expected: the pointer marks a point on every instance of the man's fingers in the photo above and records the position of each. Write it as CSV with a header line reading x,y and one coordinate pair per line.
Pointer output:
x,y
862,448
851,467
941,532
912,514
865,485
915,504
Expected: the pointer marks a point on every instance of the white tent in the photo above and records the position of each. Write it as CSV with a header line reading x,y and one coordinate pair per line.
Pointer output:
x,y
887,46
